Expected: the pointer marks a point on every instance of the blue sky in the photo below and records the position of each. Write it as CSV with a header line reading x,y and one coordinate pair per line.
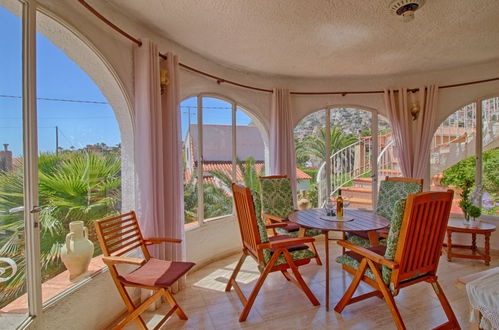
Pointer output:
x,y
59,77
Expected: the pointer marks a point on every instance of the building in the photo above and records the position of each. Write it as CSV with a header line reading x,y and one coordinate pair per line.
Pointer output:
x,y
5,158
217,152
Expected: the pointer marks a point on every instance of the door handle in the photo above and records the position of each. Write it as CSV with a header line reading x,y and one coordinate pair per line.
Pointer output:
x,y
36,209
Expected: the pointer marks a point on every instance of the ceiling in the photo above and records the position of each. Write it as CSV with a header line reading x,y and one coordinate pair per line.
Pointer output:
x,y
325,38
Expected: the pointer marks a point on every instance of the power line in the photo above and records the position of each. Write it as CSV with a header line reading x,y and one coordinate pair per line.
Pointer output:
x,y
68,118
55,99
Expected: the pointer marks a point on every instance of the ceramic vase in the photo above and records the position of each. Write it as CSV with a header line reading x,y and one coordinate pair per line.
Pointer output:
x,y
78,250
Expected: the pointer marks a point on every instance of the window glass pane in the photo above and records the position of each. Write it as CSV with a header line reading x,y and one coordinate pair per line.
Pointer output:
x,y
452,157
217,157
79,165
189,119
250,151
351,147
13,297
309,137
490,145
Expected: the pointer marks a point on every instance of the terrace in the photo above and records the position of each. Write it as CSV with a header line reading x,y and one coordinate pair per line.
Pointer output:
x,y
160,106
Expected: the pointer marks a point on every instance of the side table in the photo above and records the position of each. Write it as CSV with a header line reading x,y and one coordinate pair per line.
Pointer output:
x,y
457,226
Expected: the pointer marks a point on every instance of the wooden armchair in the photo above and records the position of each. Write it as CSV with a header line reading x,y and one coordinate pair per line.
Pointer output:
x,y
278,253
120,235
276,199
411,256
391,190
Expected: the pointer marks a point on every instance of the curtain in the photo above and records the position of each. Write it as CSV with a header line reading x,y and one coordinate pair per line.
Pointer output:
x,y
428,99
412,138
158,160
282,145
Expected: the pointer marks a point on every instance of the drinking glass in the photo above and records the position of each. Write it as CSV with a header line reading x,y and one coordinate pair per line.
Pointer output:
x,y
331,208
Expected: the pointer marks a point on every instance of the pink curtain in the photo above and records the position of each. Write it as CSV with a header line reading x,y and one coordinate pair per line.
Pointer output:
x,y
423,134
158,162
412,138
282,145
398,112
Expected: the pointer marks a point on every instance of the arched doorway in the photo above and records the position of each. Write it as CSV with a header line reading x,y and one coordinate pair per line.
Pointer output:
x,y
465,152
347,147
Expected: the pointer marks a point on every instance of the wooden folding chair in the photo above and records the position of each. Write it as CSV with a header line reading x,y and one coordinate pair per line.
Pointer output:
x,y
120,235
277,204
272,254
391,190
411,256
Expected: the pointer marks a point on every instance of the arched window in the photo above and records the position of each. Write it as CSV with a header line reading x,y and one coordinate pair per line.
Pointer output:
x,y
465,154
74,149
351,163
222,144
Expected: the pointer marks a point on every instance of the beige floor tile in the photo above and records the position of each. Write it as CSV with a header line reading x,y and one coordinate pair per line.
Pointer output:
x,y
281,305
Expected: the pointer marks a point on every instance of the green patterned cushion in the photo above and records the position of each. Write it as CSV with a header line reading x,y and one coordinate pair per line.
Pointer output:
x,y
277,197
258,211
391,245
267,253
357,240
393,237
349,261
392,191
295,255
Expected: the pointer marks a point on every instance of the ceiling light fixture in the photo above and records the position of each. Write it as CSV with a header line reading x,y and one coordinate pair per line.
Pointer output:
x,y
405,8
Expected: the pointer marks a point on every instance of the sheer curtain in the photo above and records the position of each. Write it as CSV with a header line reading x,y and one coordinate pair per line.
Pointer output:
x,y
412,137
282,145
158,160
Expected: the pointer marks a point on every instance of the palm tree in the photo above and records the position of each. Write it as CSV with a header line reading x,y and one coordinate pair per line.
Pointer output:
x,y
74,185
224,201
248,171
315,145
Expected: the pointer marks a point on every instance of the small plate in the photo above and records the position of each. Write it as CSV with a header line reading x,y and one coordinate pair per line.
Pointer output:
x,y
335,219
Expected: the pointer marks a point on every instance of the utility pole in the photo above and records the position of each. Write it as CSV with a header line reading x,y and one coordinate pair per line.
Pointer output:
x,y
57,140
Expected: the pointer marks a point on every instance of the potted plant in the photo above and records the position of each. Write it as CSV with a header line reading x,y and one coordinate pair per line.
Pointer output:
x,y
470,211
474,212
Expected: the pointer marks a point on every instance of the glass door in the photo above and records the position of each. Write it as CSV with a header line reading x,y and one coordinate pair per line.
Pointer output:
x,y
19,232
13,296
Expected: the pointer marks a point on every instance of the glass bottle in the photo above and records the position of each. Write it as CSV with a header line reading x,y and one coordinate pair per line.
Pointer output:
x,y
339,206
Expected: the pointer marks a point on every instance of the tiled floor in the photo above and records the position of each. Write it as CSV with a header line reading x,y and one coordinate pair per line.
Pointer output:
x,y
281,305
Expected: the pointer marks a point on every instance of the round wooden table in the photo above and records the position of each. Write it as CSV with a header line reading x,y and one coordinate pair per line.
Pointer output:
x,y
457,226
362,221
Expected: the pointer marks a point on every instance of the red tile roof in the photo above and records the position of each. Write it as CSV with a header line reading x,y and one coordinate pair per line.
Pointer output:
x,y
226,168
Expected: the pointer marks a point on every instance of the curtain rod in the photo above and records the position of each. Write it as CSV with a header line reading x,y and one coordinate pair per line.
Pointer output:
x,y
222,80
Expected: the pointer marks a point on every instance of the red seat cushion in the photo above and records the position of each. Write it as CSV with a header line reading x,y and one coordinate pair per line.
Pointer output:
x,y
380,249
295,247
290,226
364,234
157,273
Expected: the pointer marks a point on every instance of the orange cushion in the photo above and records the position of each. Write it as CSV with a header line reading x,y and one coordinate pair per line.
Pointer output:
x,y
157,273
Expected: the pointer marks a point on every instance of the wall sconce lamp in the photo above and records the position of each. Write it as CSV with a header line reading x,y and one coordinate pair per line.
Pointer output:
x,y
164,81
415,109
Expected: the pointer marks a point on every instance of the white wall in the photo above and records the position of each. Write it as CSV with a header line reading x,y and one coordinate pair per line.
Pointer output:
x,y
213,240
97,303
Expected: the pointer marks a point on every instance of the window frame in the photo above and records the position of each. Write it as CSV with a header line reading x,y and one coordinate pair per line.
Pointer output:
x,y
478,102
235,106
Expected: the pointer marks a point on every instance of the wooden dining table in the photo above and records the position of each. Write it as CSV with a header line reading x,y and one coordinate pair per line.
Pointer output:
x,y
362,221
